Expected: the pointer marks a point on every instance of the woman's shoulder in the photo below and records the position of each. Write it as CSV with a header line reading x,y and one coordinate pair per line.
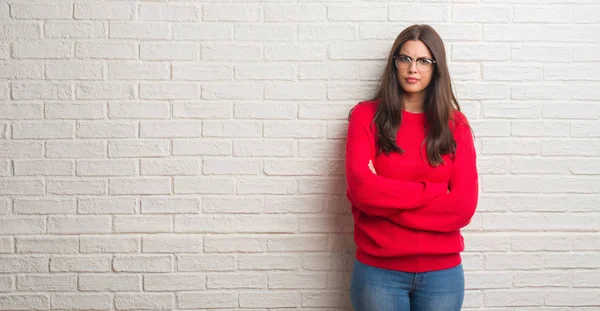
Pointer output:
x,y
460,123
364,110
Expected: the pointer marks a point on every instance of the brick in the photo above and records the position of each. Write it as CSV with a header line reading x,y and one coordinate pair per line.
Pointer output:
x,y
204,185
260,72
65,111
571,298
512,298
109,282
468,13
142,224
297,243
167,90
144,301
71,186
24,70
21,111
42,130
232,91
171,12
232,12
79,224
39,90
75,30
420,13
24,264
138,148
297,52
142,110
75,149
169,129
104,205
174,282
234,244
80,263
107,206
212,263
104,90
106,168
147,185
21,186
539,221
43,167
213,299
172,243
542,14
207,31
514,32
295,13
102,50
543,279
204,224
201,147
20,30
202,110
360,13
106,129
81,301
293,204
99,10
168,205
169,51
266,224
264,32
232,129
109,244
140,30
266,186
264,111
280,299
46,282
296,280
138,71
44,206
268,262
24,301
143,263
237,281
169,167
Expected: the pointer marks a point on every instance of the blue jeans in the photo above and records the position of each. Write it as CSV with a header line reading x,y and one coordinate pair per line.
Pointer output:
x,y
376,289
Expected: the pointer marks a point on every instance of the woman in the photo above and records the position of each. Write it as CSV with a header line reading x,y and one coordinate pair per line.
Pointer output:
x,y
412,182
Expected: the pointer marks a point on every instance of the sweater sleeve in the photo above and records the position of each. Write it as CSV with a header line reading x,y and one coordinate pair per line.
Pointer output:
x,y
452,211
373,194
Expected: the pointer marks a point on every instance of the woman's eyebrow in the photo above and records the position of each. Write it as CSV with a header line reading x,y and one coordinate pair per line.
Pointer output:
x,y
404,54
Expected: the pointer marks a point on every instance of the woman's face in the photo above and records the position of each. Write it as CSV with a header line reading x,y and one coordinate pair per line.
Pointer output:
x,y
414,76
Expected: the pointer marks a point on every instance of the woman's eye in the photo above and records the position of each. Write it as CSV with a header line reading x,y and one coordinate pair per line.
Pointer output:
x,y
405,59
425,61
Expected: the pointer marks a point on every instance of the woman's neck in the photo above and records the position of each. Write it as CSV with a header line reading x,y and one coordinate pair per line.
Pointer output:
x,y
414,102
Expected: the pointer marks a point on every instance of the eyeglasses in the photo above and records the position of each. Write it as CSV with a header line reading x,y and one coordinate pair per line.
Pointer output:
x,y
404,62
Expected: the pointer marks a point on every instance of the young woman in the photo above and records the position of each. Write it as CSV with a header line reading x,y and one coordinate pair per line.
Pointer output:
x,y
412,182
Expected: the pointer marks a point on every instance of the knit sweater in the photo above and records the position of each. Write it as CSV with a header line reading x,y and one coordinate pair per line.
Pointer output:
x,y
408,216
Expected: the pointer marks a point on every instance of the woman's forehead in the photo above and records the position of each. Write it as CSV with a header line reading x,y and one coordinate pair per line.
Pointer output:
x,y
415,48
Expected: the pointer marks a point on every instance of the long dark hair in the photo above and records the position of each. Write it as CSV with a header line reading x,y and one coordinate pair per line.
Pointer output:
x,y
439,99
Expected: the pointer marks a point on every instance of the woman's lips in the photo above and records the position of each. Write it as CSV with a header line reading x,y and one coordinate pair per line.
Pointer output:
x,y
412,80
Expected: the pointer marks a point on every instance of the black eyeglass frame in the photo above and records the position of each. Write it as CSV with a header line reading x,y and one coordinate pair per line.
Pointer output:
x,y
433,61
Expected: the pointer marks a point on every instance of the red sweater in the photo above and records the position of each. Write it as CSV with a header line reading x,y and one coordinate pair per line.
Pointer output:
x,y
404,217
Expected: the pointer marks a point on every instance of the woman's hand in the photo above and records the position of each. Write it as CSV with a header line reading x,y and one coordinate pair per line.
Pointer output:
x,y
371,167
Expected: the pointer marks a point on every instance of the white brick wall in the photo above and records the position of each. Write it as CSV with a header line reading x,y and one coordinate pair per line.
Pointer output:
x,y
188,154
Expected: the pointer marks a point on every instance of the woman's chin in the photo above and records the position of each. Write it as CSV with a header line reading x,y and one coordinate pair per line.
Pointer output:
x,y
411,88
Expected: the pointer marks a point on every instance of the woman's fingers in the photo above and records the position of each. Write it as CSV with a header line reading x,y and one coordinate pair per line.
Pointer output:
x,y
371,167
